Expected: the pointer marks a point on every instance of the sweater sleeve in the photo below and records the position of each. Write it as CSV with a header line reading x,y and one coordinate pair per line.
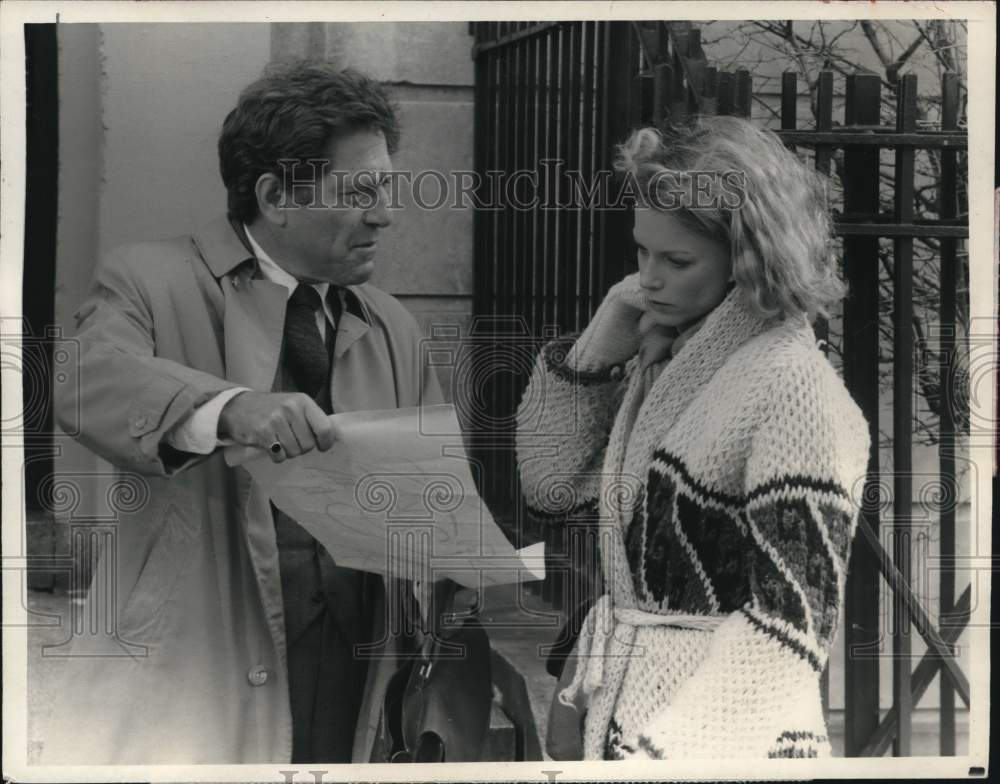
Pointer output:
x,y
756,694
563,423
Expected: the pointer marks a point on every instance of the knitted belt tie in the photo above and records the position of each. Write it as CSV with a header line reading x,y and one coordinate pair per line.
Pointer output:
x,y
598,629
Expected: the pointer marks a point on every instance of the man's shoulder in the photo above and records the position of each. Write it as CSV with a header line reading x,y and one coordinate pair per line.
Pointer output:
x,y
155,260
213,244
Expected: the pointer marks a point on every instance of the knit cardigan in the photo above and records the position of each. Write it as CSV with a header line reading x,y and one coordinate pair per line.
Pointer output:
x,y
732,497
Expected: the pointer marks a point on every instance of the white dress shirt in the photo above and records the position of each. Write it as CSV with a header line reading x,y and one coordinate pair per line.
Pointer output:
x,y
198,432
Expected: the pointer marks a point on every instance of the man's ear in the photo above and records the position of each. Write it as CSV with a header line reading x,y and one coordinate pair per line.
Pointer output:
x,y
270,199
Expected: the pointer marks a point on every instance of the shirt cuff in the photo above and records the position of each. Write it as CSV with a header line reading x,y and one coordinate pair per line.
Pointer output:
x,y
198,432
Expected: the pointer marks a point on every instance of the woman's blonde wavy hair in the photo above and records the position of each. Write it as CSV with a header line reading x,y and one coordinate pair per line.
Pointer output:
x,y
780,235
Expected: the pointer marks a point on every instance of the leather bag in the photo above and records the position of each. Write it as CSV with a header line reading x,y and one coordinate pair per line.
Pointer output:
x,y
438,703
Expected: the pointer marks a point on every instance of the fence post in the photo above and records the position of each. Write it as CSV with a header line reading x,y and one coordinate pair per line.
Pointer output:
x,y
824,118
710,91
789,102
696,63
860,352
725,93
485,226
663,82
947,208
679,91
743,95
617,254
902,425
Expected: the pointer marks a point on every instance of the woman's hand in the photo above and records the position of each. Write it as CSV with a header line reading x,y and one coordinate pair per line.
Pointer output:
x,y
656,339
612,337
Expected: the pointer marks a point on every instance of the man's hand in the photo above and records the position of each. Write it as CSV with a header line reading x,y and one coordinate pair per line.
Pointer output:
x,y
293,420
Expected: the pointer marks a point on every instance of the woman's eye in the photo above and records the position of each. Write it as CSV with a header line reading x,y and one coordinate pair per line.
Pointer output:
x,y
681,263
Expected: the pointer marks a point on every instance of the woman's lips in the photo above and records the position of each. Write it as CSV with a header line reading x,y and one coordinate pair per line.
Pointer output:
x,y
659,305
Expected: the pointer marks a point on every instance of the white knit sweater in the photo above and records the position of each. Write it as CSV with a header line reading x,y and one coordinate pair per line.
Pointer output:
x,y
727,494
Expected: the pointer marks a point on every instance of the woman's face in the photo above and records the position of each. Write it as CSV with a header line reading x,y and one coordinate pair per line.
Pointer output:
x,y
683,273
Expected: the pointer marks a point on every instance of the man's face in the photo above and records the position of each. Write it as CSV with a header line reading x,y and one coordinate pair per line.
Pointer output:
x,y
335,239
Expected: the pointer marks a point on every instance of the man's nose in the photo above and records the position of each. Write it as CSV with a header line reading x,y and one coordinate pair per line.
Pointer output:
x,y
379,214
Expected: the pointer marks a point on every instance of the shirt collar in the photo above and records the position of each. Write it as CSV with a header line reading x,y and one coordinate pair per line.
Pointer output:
x,y
270,269
351,301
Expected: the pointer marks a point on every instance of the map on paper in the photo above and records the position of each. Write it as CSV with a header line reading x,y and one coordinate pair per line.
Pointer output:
x,y
395,495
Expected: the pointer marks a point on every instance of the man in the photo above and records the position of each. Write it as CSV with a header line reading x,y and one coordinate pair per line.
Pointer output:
x,y
249,331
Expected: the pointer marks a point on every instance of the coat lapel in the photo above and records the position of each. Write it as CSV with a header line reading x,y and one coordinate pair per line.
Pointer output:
x,y
254,323
349,329
254,315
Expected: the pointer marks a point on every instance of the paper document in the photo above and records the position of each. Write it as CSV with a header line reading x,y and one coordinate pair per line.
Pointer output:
x,y
395,495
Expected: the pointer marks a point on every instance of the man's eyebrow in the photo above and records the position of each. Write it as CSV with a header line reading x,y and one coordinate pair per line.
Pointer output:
x,y
362,178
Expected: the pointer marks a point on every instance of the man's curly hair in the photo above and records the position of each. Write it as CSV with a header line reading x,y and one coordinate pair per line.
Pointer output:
x,y
292,112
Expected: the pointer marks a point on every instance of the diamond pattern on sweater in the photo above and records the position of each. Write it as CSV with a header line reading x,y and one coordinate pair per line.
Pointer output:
x,y
808,529
692,558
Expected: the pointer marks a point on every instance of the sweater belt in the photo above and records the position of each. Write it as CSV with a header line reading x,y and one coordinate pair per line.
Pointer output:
x,y
598,629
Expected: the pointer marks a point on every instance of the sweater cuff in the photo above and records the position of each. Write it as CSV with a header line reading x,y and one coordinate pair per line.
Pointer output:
x,y
555,354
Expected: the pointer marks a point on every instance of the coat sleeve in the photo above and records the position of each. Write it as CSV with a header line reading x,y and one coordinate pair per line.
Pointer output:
x,y
756,694
563,422
122,397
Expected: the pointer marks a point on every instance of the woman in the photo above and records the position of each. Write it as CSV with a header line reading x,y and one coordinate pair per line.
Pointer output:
x,y
697,417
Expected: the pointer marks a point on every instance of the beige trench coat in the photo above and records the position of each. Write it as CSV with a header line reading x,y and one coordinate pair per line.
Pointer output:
x,y
167,325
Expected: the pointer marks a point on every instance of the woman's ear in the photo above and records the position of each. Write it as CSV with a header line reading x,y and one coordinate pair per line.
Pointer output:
x,y
270,199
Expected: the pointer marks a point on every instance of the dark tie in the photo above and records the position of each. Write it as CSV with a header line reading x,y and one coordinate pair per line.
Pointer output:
x,y
307,355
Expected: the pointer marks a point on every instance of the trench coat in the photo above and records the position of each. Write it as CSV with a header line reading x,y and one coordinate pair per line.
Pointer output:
x,y
198,602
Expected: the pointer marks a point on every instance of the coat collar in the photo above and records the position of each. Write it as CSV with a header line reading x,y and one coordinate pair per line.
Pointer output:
x,y
226,249
255,307
224,246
